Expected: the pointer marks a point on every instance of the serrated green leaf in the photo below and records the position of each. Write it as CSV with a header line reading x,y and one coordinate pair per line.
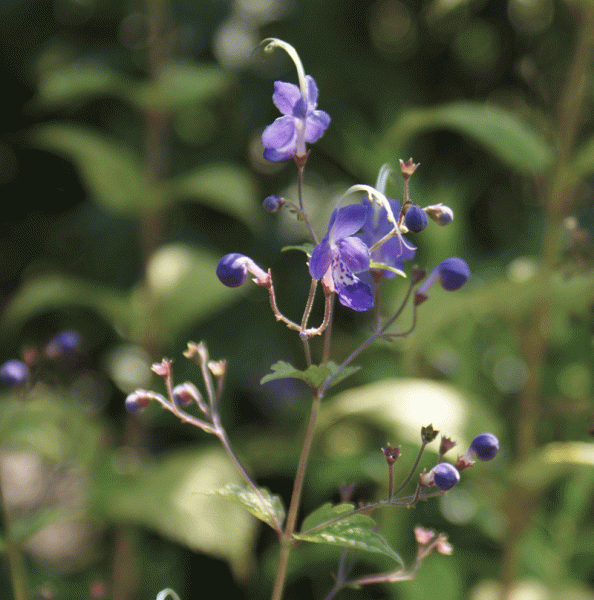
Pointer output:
x,y
224,187
307,248
111,172
267,509
502,133
313,376
346,372
325,526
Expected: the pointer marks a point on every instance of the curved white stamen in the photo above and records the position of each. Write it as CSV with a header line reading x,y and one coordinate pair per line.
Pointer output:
x,y
272,43
382,178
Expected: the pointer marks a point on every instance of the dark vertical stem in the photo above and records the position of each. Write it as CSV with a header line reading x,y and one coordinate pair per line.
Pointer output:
x,y
125,577
15,556
558,203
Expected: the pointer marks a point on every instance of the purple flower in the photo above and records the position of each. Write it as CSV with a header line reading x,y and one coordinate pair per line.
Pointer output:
x,y
451,272
301,122
341,254
395,250
443,475
13,372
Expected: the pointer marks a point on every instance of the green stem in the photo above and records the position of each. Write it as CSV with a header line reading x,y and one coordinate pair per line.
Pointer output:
x,y
287,537
15,557
558,204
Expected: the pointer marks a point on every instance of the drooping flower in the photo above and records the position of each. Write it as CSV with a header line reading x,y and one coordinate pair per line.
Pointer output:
x,y
392,252
233,268
301,121
340,254
451,272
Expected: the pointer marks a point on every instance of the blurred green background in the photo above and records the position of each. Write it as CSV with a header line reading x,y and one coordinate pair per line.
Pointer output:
x,y
130,162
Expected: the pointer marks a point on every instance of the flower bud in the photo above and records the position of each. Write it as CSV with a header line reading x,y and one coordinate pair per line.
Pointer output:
x,y
64,342
415,219
138,400
272,203
233,268
452,273
185,393
14,372
439,213
443,475
485,446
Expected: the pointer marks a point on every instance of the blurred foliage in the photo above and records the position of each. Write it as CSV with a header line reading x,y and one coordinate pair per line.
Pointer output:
x,y
103,236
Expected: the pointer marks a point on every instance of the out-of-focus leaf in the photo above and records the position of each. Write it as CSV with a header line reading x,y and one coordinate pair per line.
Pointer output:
x,y
583,163
505,297
50,291
502,133
556,459
222,186
49,425
264,509
80,82
185,289
110,171
324,526
184,83
22,528
171,495
402,406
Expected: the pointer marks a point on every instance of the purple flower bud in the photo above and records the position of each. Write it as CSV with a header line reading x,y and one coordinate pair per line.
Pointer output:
x,y
64,342
272,203
233,268
445,475
138,400
485,446
440,213
185,393
452,273
415,219
14,372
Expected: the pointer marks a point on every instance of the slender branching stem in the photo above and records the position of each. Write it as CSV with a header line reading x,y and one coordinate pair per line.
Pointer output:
x,y
300,198
289,530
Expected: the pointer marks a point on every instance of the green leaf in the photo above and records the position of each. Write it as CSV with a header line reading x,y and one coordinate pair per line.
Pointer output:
x,y
307,248
22,528
583,163
78,82
556,459
50,291
265,508
183,83
346,372
222,186
172,496
499,131
325,526
313,376
111,172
